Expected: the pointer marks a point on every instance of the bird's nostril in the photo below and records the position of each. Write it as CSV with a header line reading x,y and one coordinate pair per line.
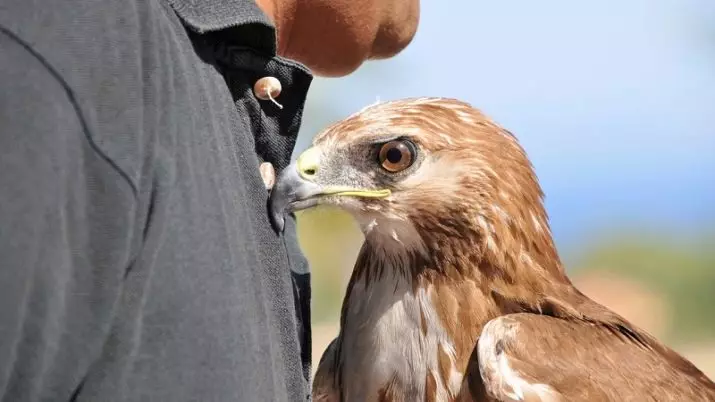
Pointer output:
x,y
309,172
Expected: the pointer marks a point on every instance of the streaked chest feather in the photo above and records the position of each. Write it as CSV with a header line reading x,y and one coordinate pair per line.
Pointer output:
x,y
394,344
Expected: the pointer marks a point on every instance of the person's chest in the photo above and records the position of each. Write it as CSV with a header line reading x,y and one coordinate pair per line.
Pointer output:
x,y
217,273
209,299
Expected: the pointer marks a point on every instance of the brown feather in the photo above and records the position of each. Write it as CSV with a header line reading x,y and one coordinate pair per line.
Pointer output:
x,y
324,387
578,358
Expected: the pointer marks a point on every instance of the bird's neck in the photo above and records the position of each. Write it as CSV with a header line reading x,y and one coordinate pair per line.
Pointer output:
x,y
465,277
432,289
496,252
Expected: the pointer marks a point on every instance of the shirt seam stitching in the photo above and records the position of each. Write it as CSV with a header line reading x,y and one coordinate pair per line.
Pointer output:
x,y
75,105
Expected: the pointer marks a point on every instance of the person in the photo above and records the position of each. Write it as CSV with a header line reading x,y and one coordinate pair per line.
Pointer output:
x,y
137,259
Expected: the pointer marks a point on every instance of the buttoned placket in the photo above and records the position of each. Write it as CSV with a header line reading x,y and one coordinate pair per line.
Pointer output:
x,y
278,88
268,88
275,89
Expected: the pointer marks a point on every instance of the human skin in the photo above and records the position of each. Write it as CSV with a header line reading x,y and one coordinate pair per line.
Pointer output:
x,y
334,37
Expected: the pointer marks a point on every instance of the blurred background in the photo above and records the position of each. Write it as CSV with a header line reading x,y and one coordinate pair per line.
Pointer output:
x,y
615,104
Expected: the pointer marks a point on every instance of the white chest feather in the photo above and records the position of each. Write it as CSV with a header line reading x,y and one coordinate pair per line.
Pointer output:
x,y
393,333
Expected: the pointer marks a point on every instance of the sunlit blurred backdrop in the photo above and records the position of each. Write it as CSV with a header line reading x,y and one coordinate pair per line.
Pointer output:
x,y
615,104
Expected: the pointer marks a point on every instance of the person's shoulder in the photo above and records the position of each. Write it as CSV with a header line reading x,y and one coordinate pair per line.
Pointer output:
x,y
85,37
28,85
106,56
39,110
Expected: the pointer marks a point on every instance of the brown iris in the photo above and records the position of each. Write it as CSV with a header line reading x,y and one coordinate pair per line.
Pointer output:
x,y
396,155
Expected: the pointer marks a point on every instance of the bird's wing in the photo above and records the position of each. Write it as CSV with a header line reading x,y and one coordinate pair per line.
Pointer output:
x,y
531,357
324,386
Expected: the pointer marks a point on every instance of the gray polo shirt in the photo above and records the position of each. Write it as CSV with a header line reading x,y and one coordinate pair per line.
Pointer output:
x,y
137,261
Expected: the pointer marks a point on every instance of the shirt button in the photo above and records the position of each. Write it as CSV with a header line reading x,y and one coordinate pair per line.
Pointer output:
x,y
268,174
268,88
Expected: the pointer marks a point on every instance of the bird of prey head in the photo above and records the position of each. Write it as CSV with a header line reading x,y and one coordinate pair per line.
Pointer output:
x,y
458,292
416,170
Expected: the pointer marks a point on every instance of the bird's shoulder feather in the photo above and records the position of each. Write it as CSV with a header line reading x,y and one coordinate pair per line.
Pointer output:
x,y
324,386
535,357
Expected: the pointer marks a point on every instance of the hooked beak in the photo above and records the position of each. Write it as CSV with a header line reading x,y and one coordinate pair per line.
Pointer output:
x,y
296,189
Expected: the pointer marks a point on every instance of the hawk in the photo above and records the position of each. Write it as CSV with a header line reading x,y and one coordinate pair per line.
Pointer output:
x,y
458,292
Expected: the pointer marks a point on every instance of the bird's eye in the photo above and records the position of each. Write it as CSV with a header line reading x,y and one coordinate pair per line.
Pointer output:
x,y
397,155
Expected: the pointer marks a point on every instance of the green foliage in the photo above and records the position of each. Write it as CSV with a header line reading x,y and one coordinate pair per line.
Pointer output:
x,y
684,273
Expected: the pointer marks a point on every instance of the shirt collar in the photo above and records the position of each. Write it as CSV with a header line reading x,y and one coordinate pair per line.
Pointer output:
x,y
207,16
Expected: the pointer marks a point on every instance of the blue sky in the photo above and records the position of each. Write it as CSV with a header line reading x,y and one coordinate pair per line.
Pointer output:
x,y
614,101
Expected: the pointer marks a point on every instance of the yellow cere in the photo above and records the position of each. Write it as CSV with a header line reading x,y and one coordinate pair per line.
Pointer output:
x,y
308,163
